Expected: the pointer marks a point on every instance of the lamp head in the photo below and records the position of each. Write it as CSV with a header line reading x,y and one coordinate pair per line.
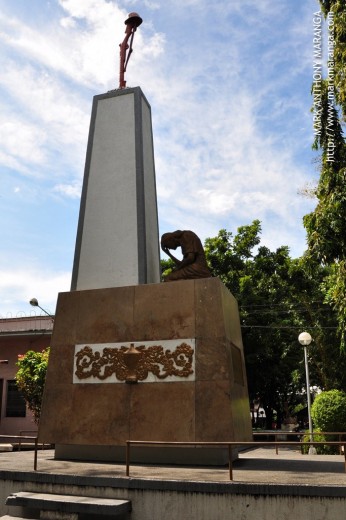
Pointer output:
x,y
304,339
34,302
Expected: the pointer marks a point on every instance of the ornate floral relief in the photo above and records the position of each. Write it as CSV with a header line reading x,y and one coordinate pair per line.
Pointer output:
x,y
154,359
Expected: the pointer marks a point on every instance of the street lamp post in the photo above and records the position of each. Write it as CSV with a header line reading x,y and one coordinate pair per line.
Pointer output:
x,y
305,339
35,303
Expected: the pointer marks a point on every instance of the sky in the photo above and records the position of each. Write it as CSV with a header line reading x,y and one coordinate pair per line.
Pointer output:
x,y
229,84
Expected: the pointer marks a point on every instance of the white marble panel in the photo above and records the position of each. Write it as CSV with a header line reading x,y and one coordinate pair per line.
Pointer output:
x,y
164,361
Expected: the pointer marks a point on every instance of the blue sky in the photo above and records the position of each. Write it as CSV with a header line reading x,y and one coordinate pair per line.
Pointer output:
x,y
229,87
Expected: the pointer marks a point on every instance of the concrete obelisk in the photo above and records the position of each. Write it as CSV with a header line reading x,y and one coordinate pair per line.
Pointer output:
x,y
118,239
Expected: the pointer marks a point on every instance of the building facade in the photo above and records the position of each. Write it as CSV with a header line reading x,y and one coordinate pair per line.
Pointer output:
x,y
18,336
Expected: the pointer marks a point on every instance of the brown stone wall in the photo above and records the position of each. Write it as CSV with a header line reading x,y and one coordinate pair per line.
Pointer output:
x,y
214,407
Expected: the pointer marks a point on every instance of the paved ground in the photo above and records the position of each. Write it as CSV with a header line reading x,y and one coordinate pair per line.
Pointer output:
x,y
260,465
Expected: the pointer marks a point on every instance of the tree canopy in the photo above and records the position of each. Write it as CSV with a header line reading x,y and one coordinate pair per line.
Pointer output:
x,y
30,378
326,225
329,411
337,10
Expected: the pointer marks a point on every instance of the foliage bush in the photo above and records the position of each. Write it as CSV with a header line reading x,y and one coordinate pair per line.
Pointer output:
x,y
30,379
320,448
328,413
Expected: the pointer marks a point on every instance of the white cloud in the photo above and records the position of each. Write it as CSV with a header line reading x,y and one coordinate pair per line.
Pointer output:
x,y
7,161
51,119
85,54
18,286
70,190
68,23
22,140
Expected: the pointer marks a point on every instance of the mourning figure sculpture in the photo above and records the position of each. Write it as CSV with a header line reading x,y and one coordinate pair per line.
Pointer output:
x,y
193,265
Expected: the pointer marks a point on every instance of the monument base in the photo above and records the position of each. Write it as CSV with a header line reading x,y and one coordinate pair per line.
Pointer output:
x,y
178,343
196,456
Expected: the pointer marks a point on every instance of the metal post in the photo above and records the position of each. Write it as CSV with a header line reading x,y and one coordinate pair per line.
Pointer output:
x,y
230,462
35,456
308,395
127,458
305,339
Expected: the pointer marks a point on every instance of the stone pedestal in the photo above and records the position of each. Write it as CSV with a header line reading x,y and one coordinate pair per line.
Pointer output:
x,y
191,380
117,239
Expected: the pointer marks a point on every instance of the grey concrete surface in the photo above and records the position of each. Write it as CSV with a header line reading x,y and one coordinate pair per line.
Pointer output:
x,y
69,504
265,486
6,447
260,466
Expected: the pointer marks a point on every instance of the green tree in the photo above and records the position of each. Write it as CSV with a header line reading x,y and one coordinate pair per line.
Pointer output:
x,y
167,266
257,280
227,256
326,224
328,411
337,9
327,363
30,378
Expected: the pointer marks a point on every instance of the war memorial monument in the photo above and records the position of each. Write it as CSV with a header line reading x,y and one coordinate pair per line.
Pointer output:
x,y
133,358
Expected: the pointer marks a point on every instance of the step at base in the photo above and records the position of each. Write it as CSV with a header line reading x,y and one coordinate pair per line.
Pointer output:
x,y
8,517
69,504
57,515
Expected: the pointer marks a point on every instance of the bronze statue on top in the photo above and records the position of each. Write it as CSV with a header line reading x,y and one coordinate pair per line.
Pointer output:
x,y
133,21
193,265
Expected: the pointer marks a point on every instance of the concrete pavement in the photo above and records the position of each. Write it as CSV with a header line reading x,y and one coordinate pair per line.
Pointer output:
x,y
259,465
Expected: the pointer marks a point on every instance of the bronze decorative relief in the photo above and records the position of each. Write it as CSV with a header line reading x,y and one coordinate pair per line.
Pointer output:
x,y
134,363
